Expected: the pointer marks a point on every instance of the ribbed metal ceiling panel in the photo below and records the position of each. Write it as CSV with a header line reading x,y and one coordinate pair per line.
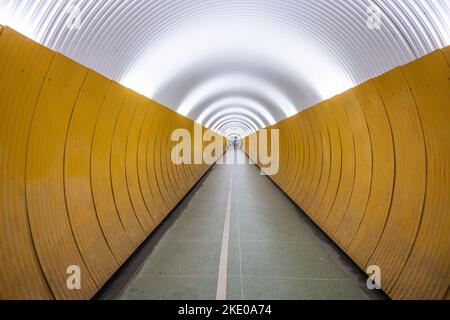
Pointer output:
x,y
260,60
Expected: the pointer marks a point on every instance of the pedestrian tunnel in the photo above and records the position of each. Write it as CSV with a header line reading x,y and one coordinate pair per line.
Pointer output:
x,y
143,156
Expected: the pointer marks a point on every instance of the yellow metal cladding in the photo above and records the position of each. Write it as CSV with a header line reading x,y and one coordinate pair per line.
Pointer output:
x,y
45,183
131,173
118,172
85,171
142,153
382,176
109,219
428,260
382,150
24,64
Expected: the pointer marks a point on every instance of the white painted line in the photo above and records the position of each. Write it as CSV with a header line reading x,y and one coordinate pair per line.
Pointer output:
x,y
223,264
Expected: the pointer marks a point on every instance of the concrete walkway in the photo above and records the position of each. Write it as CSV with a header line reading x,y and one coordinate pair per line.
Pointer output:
x,y
273,251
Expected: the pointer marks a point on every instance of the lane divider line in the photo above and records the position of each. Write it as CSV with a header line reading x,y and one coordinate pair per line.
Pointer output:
x,y
221,293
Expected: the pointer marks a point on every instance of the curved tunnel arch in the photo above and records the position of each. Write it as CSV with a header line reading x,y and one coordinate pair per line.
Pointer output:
x,y
227,124
233,117
233,129
340,46
242,102
226,113
235,121
232,83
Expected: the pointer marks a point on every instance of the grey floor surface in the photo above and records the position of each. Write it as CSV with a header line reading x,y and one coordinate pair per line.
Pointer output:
x,y
273,252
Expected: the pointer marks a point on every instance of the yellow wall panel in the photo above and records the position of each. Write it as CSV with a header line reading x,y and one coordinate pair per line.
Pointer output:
x,y
189,177
77,171
46,198
289,152
189,169
152,163
170,175
341,201
159,163
318,158
169,172
118,171
335,169
363,172
137,201
326,162
142,155
410,174
382,150
174,170
304,166
183,177
109,219
280,177
23,64
426,272
311,152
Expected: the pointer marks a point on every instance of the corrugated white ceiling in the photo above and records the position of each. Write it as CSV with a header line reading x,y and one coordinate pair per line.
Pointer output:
x,y
236,65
